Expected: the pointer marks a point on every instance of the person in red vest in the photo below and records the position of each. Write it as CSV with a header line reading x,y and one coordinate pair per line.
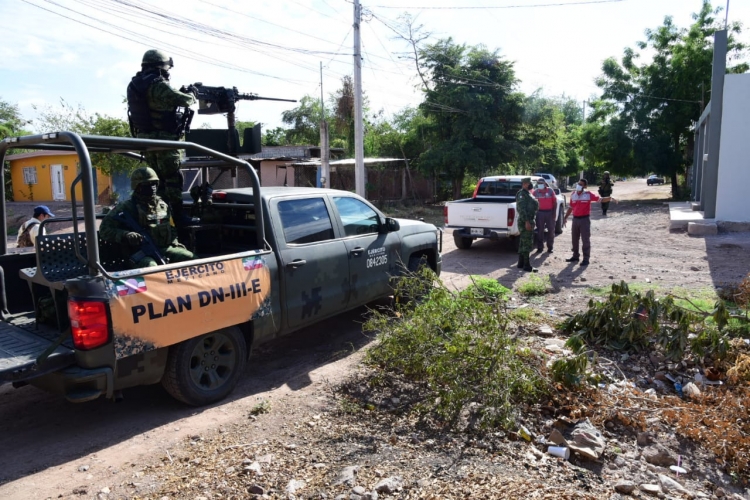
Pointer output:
x,y
545,217
580,207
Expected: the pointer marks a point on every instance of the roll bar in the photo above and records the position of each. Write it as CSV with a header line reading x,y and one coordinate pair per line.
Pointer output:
x,y
127,146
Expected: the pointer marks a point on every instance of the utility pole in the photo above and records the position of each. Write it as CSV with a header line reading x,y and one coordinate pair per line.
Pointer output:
x,y
359,150
726,16
325,150
584,157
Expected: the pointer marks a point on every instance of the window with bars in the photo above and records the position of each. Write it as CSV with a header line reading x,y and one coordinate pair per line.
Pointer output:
x,y
29,175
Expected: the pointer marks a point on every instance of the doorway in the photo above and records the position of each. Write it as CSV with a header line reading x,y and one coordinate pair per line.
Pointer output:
x,y
58,182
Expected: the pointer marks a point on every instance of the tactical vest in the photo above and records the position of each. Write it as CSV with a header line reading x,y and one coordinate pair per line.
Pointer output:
x,y
142,118
155,220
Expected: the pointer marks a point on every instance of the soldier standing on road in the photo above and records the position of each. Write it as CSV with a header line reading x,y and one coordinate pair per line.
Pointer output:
x,y
526,206
144,218
605,191
580,207
154,112
545,217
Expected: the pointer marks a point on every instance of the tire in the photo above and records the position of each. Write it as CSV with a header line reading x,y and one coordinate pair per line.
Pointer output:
x,y
462,242
186,381
559,222
515,241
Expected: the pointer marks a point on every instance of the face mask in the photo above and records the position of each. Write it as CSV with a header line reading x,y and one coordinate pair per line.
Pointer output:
x,y
540,186
145,190
579,188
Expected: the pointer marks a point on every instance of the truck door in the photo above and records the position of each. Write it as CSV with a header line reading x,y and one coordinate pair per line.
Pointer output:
x,y
373,257
315,271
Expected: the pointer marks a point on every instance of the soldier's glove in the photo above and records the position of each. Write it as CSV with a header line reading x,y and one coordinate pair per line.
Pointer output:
x,y
134,239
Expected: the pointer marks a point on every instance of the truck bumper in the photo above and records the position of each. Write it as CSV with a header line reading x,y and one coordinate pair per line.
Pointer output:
x,y
78,385
493,234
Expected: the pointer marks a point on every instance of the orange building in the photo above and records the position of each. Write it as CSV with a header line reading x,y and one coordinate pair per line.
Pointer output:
x,y
48,175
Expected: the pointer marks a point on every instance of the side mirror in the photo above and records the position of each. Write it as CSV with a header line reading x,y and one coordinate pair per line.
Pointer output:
x,y
557,191
391,225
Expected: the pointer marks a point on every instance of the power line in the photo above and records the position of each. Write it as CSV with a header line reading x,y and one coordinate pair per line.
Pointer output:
x,y
492,7
141,38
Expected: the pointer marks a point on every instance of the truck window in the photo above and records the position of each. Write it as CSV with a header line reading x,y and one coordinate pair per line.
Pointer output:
x,y
357,217
499,188
305,220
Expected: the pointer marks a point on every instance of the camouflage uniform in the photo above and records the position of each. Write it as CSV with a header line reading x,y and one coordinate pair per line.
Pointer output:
x,y
154,217
157,117
526,207
605,190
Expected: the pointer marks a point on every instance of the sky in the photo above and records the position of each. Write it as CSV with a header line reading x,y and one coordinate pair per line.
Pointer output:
x,y
86,51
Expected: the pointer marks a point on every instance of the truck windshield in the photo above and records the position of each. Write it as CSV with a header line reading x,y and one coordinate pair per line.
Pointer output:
x,y
499,188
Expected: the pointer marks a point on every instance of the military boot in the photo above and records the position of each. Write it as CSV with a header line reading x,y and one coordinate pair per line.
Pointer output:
x,y
520,261
527,266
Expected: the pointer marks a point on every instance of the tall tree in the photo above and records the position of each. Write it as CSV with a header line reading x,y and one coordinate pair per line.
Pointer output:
x,y
11,121
76,119
657,99
473,109
304,121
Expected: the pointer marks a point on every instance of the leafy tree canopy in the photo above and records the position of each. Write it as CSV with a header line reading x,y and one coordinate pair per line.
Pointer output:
x,y
649,103
474,111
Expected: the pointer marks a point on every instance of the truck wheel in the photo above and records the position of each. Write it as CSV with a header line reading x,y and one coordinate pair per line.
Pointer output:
x,y
462,242
515,241
559,222
205,369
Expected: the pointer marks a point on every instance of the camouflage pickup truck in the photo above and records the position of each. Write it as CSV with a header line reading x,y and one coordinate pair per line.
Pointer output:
x,y
271,261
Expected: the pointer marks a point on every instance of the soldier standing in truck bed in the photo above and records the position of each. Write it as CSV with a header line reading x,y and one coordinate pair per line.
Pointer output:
x,y
527,207
154,112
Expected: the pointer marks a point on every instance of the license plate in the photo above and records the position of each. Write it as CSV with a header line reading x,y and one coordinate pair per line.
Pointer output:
x,y
477,231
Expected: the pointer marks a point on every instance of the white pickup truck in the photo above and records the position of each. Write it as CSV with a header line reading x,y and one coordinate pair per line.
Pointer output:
x,y
491,211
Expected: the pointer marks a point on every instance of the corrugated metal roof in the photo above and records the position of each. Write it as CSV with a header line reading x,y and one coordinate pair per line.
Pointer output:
x,y
347,161
34,154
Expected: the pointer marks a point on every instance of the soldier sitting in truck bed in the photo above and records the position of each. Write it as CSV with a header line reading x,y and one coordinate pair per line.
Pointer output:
x,y
143,225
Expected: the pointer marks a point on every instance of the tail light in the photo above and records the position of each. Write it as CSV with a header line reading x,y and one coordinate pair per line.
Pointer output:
x,y
219,196
476,189
445,213
511,217
89,324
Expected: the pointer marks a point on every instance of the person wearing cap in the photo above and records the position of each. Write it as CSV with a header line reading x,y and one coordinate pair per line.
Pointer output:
x,y
526,207
605,191
156,110
545,217
580,207
29,230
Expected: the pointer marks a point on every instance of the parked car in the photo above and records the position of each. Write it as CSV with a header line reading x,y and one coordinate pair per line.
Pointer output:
x,y
654,179
491,212
551,181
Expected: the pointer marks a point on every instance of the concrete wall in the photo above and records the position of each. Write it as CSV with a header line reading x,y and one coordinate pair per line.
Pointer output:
x,y
273,173
42,190
734,159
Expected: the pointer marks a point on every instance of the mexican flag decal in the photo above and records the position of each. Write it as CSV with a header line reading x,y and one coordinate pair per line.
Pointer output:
x,y
130,286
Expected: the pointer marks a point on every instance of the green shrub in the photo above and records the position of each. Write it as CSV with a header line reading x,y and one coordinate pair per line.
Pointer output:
x,y
455,347
628,320
535,284
486,288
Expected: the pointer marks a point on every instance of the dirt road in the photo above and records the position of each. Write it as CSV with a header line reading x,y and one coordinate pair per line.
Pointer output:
x,y
51,447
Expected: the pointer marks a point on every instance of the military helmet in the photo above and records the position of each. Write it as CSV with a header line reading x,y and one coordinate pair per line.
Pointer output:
x,y
142,174
157,58
606,172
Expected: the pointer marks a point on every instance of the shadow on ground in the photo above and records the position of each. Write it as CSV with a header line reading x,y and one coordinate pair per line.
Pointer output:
x,y
45,431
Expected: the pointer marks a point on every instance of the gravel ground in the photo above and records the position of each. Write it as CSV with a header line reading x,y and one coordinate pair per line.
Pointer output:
x,y
289,432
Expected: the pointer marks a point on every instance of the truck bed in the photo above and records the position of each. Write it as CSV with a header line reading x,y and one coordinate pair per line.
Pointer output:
x,y
21,343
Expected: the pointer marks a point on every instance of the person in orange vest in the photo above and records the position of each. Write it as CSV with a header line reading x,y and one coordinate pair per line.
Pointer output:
x,y
580,207
545,217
